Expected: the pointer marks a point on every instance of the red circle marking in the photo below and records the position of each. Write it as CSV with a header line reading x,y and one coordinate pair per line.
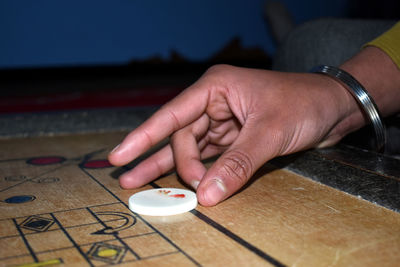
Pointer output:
x,y
97,164
45,160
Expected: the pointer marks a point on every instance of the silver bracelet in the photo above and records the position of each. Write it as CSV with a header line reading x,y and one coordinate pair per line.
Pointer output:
x,y
363,98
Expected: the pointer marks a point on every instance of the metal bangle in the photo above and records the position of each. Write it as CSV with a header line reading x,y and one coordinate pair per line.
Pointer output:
x,y
363,98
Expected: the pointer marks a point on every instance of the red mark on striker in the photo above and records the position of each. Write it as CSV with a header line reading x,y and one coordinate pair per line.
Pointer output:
x,y
178,195
166,192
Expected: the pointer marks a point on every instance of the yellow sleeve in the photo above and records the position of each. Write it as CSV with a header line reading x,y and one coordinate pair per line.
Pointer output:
x,y
389,42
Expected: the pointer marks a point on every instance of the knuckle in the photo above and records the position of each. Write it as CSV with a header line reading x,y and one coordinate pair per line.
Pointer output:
x,y
220,70
149,139
238,166
159,169
176,125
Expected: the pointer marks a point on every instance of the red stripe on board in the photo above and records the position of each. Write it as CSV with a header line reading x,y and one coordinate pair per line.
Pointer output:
x,y
88,99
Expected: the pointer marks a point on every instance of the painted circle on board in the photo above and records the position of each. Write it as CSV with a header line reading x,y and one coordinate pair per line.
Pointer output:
x,y
97,164
46,160
19,199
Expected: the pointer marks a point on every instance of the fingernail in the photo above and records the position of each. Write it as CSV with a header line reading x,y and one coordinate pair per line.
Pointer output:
x,y
215,191
195,184
115,149
324,144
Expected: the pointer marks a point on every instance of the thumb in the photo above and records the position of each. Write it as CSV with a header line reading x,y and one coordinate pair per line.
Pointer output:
x,y
234,167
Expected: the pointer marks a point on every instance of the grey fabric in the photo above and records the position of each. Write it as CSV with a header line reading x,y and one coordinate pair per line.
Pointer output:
x,y
326,41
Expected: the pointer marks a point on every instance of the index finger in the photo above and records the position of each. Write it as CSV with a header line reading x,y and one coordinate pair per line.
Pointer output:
x,y
176,114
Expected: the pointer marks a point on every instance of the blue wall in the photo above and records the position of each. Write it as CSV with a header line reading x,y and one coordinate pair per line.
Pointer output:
x,y
89,32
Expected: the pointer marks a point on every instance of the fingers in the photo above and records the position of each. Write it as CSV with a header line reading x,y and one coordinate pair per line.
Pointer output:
x,y
178,113
186,151
149,169
235,167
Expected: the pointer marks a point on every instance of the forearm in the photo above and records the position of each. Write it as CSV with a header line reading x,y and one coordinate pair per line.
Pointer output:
x,y
375,70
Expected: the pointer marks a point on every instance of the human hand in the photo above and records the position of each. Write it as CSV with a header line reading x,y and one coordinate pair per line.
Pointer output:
x,y
248,115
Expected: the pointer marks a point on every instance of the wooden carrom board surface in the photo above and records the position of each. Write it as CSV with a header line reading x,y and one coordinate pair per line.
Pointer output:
x,y
61,204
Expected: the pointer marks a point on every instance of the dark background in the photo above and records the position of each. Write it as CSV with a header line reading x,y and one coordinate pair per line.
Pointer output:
x,y
56,54
47,33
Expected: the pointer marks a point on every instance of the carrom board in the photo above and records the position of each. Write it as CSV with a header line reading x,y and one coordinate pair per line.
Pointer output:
x,y
61,205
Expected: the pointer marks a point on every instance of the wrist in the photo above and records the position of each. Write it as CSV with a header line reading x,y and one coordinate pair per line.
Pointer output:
x,y
380,76
362,97
342,110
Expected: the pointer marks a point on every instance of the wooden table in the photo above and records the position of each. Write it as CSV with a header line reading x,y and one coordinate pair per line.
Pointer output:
x,y
61,204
